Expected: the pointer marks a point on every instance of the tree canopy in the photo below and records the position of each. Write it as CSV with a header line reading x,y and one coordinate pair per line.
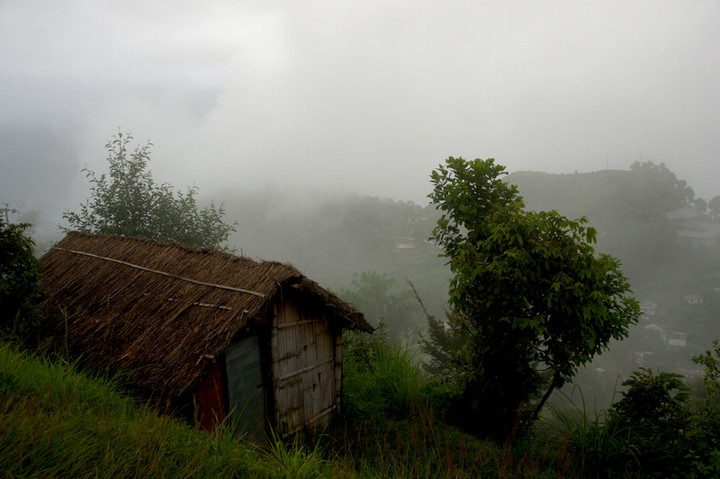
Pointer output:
x,y
528,293
671,192
127,201
20,290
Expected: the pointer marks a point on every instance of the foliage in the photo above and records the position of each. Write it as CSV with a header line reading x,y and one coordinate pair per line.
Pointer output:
x,y
20,290
596,446
653,414
700,205
439,342
714,206
466,192
129,202
382,300
652,400
57,422
675,193
282,459
532,299
706,417
382,379
390,430
652,431
711,380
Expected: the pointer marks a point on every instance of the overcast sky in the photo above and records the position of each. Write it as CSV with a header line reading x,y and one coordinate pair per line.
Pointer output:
x,y
367,96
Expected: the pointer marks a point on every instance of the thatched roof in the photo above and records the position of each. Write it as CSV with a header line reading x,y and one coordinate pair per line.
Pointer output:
x,y
159,310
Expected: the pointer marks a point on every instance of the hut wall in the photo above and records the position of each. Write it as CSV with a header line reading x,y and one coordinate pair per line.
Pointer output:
x,y
304,371
337,346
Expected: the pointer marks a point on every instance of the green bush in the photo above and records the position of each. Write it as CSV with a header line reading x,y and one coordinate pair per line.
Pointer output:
x,y
654,415
381,379
654,430
20,292
705,433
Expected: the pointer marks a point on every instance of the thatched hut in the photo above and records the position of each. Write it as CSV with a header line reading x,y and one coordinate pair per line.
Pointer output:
x,y
201,330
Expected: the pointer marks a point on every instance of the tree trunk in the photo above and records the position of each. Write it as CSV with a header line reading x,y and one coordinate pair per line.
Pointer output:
x,y
536,413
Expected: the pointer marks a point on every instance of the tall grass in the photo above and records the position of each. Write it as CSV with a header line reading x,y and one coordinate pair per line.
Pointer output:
x,y
389,429
291,459
57,422
381,379
595,446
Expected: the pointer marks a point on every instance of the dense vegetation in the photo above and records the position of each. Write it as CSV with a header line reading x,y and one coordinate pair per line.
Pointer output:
x,y
58,422
20,291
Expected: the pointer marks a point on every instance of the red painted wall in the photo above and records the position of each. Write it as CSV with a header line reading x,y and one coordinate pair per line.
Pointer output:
x,y
209,398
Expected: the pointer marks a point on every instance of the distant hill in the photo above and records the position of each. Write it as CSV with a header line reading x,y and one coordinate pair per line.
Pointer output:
x,y
333,237
629,210
605,193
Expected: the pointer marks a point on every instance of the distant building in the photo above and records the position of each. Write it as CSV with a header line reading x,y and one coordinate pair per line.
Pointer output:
x,y
677,338
692,229
647,309
682,214
672,338
693,299
655,331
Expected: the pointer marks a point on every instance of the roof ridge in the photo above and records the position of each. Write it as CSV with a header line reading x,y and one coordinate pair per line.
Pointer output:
x,y
164,273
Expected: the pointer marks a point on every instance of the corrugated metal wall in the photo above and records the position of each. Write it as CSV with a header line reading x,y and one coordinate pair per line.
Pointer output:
x,y
246,398
305,368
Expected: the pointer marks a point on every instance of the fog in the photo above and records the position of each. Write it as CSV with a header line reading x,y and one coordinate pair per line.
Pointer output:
x,y
366,97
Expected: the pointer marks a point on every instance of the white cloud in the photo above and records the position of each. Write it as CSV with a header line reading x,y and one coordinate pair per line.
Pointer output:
x,y
370,96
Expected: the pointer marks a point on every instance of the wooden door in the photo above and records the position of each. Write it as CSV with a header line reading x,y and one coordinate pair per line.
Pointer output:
x,y
303,369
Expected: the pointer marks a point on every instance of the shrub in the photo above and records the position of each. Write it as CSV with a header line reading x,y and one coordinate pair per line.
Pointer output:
x,y
20,291
382,379
705,453
653,418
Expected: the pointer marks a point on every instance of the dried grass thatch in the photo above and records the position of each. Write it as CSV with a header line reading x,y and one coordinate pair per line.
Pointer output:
x,y
160,311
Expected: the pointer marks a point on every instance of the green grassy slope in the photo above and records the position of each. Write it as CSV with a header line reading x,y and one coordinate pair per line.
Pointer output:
x,y
58,422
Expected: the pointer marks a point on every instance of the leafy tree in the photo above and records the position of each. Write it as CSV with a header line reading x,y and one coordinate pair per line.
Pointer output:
x,y
701,205
439,342
20,291
129,202
533,301
383,301
673,193
714,206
